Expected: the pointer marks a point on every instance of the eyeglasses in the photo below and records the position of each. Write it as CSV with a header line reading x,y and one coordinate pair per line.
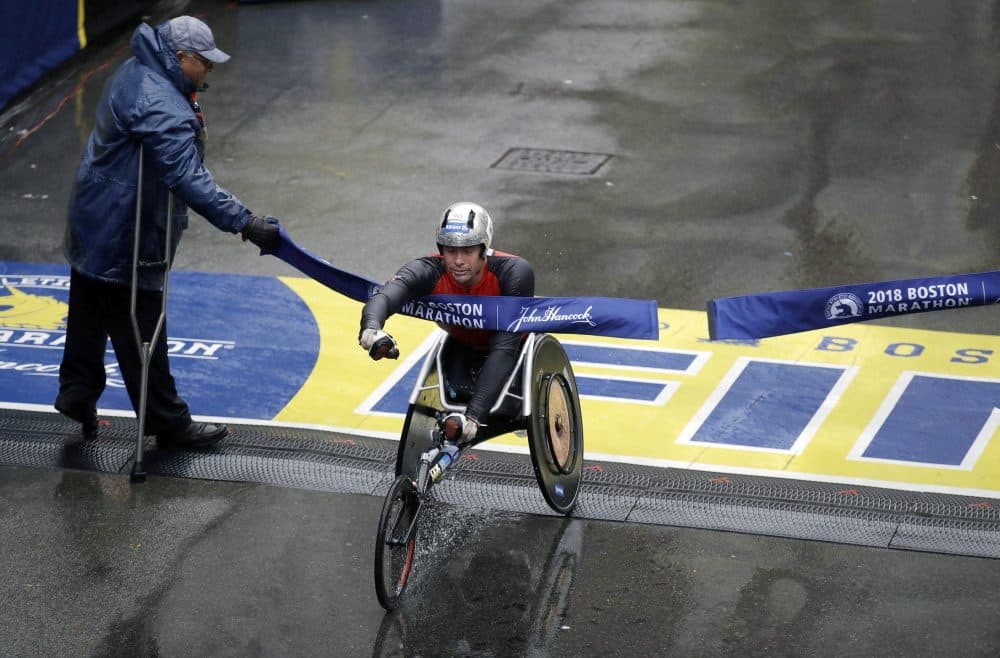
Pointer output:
x,y
204,62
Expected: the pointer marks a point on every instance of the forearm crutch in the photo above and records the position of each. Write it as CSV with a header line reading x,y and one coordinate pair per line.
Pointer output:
x,y
145,347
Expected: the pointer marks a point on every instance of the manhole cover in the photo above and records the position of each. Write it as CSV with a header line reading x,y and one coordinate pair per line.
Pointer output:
x,y
550,161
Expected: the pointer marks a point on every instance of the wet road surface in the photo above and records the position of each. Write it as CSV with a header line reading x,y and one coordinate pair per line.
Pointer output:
x,y
756,146
180,567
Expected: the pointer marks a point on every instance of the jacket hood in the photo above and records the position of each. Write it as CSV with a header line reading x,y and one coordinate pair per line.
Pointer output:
x,y
155,49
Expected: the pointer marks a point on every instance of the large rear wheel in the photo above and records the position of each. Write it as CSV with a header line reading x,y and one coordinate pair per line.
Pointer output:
x,y
395,544
555,428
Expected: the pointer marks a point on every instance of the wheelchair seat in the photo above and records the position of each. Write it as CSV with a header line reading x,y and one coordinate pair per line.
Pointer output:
x,y
507,407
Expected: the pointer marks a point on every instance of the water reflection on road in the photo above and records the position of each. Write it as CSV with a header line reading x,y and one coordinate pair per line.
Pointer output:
x,y
485,584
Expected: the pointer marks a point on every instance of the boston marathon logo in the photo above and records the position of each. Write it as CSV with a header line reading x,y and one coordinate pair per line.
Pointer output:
x,y
29,320
843,306
22,310
212,354
891,301
39,321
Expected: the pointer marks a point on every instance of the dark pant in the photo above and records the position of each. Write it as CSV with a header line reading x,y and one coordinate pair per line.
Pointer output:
x,y
98,311
462,366
461,370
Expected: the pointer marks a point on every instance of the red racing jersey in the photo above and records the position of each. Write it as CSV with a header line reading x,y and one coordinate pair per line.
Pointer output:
x,y
503,275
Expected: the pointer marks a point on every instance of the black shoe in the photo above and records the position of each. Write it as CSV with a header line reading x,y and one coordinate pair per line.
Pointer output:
x,y
87,419
196,436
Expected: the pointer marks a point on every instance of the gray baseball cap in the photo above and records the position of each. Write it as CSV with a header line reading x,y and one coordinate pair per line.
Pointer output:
x,y
190,34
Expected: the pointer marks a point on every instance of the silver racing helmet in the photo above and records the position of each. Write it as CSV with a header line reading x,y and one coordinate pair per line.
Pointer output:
x,y
465,224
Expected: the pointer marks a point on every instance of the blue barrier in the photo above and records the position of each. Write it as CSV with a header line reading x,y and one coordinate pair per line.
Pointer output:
x,y
38,36
35,37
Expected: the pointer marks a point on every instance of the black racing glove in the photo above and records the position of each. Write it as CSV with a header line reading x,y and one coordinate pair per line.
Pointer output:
x,y
263,232
379,344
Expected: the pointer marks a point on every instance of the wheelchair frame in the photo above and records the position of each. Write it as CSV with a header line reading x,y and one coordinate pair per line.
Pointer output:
x,y
541,361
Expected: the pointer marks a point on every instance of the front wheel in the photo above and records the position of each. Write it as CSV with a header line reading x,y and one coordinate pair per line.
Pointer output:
x,y
395,543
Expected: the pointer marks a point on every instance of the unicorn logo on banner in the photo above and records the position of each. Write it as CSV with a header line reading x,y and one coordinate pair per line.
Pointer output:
x,y
843,306
19,310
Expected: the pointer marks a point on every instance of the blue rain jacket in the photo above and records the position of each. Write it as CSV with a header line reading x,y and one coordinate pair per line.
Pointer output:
x,y
147,101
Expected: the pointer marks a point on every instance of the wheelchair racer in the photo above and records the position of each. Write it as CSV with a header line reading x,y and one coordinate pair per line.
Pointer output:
x,y
477,363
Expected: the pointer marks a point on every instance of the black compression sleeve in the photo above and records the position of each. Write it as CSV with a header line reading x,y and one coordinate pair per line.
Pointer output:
x,y
413,280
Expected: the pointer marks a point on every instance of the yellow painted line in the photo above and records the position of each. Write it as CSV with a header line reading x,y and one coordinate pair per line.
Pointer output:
x,y
81,23
344,378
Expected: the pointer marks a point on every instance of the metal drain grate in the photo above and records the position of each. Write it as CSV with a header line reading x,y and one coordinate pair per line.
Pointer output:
x,y
550,161
324,461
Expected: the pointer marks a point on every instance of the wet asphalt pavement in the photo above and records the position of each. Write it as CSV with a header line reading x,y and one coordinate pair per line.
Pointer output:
x,y
178,567
755,146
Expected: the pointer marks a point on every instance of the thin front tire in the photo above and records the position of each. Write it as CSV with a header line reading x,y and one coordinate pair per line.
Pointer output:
x,y
393,553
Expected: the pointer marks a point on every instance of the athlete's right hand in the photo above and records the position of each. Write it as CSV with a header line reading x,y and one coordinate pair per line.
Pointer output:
x,y
459,427
378,344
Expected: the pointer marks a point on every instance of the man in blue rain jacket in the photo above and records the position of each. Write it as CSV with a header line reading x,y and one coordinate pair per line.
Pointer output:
x,y
149,126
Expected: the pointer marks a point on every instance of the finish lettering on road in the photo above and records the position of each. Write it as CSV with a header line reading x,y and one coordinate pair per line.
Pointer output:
x,y
970,355
859,404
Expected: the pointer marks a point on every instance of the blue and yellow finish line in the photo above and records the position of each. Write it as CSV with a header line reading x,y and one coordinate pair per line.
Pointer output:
x,y
860,404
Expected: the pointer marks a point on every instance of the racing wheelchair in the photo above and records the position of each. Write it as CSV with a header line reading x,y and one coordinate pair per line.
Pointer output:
x,y
540,396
